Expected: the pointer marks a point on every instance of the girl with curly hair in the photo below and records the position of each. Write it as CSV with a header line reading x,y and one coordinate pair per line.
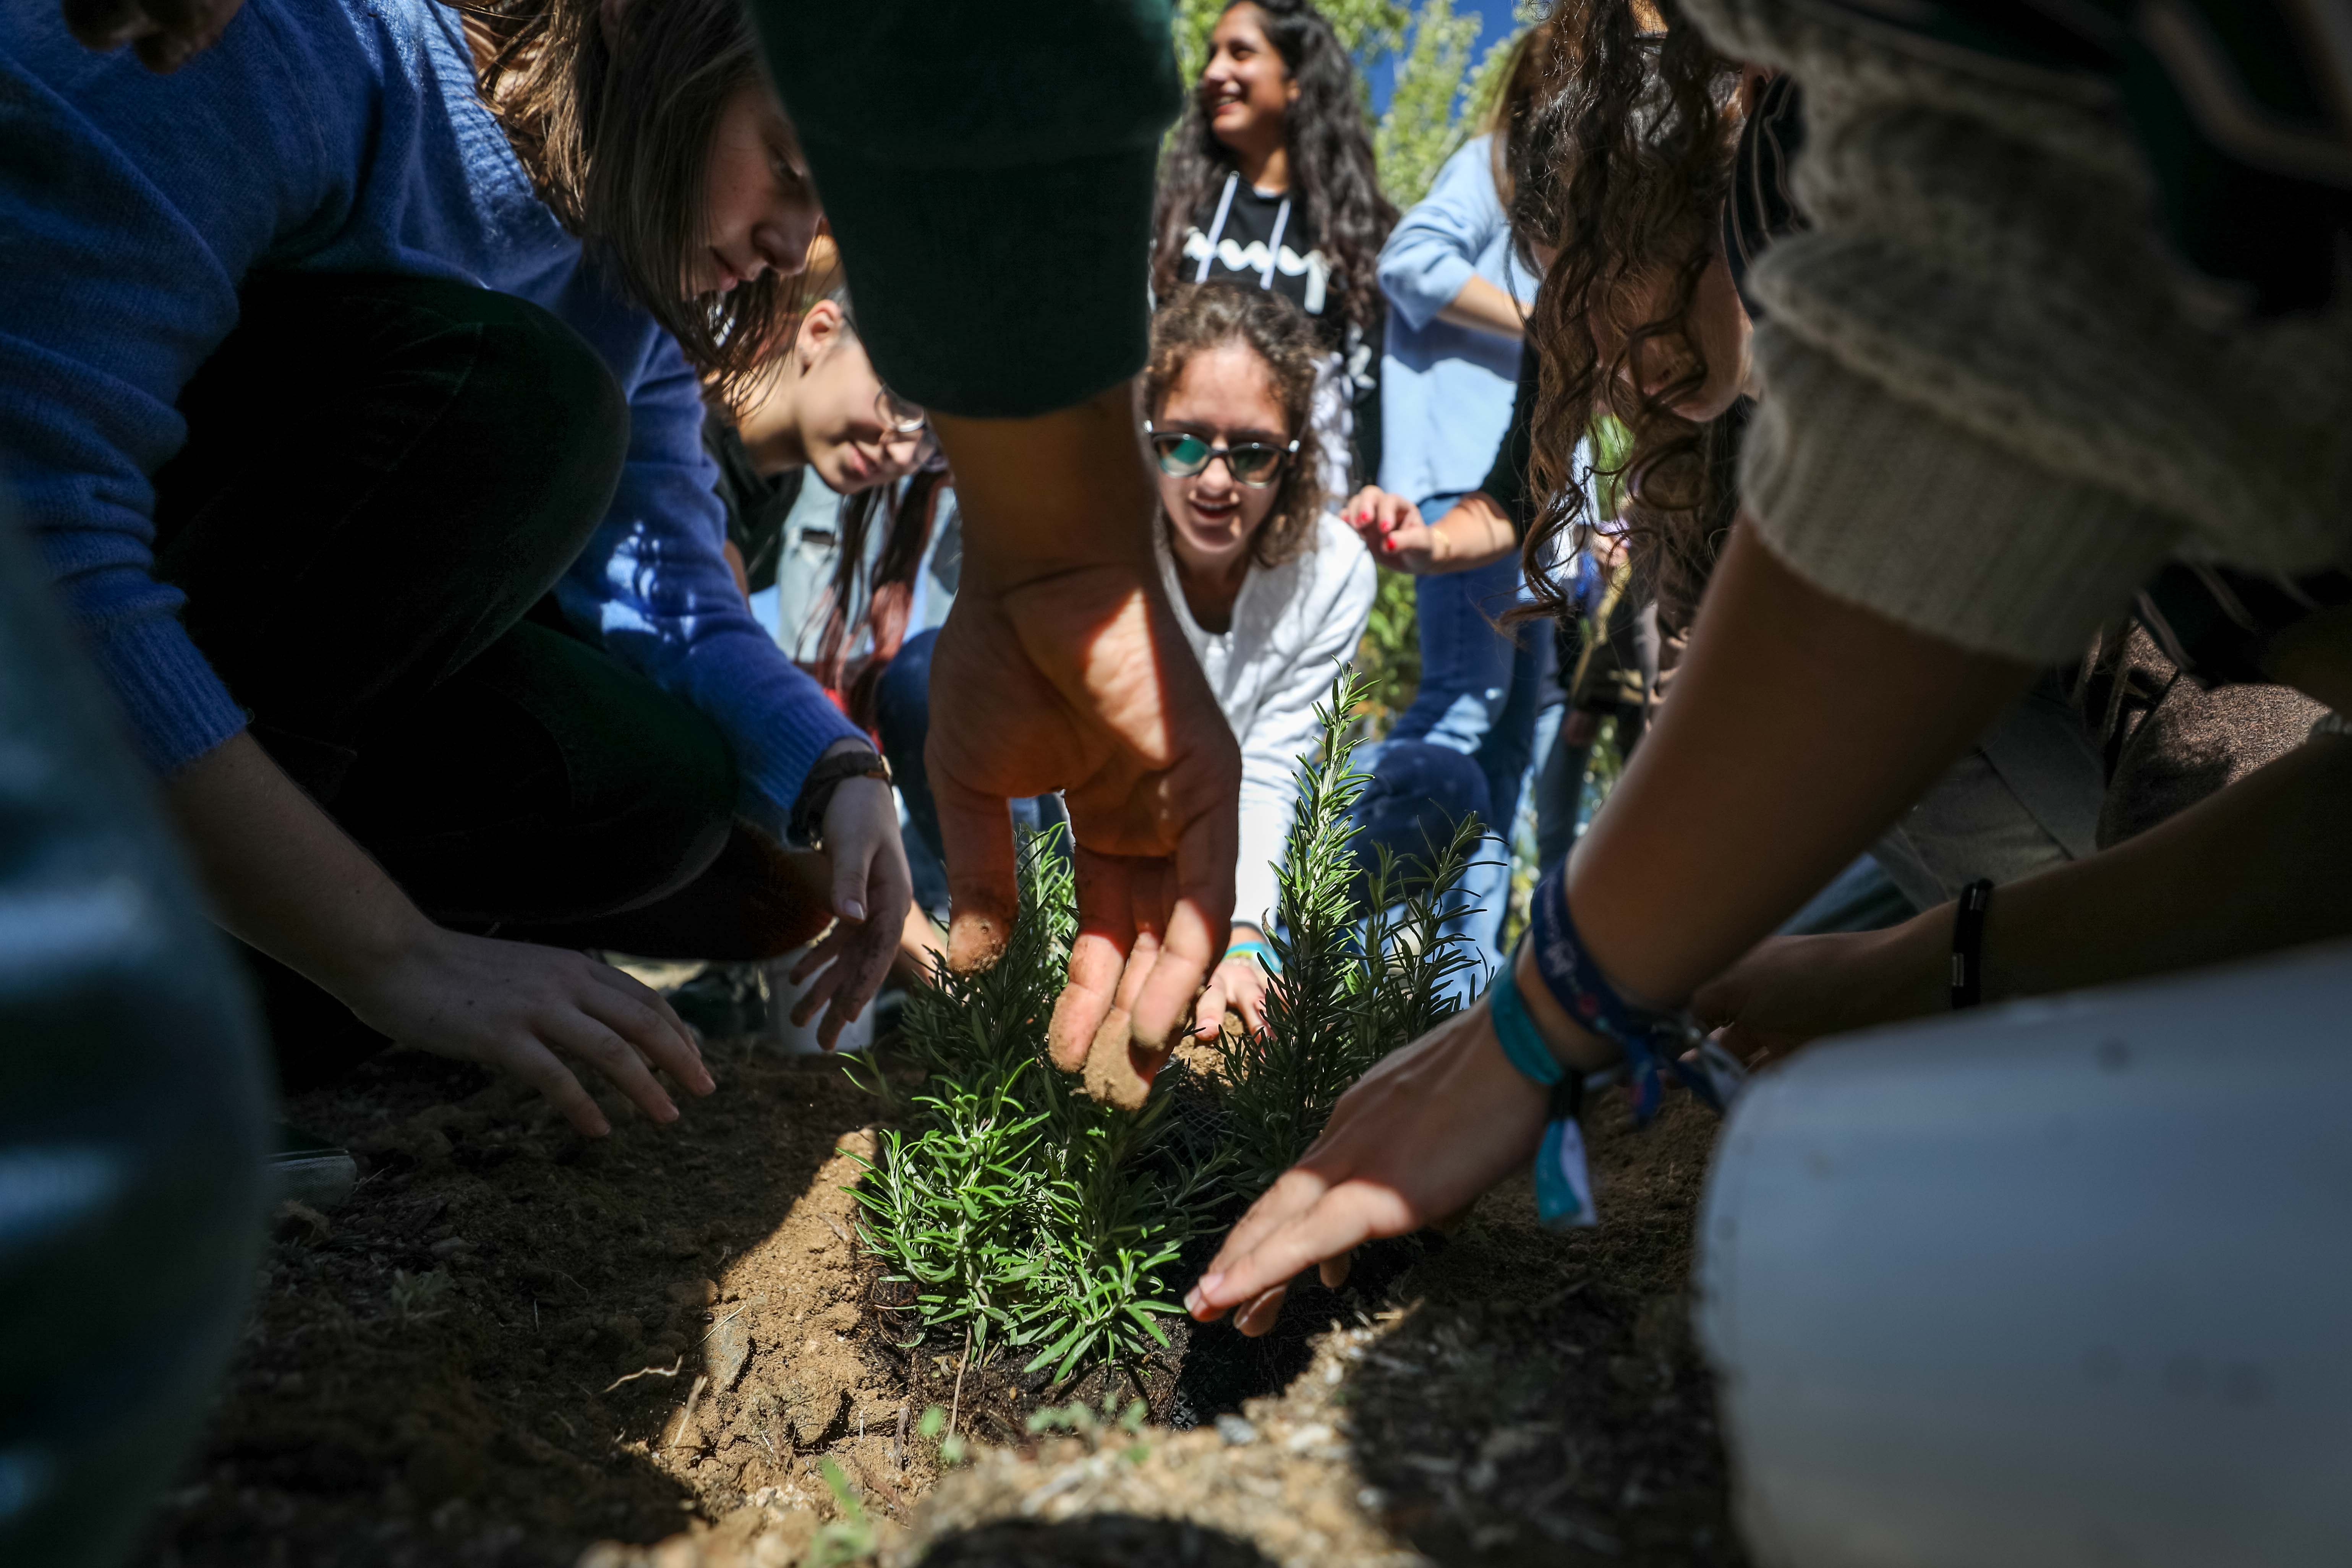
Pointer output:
x,y
1995,402
1269,181
1270,587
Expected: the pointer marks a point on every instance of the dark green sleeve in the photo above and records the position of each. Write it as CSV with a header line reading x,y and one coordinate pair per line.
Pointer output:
x,y
987,173
1506,481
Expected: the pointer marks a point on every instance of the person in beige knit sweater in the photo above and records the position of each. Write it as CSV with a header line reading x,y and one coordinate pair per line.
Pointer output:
x,y
1998,401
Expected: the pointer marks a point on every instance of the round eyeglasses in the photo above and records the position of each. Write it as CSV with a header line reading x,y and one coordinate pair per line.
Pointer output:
x,y
1253,464
899,416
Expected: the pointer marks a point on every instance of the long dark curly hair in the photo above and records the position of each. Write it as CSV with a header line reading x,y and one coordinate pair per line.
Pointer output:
x,y
617,143
1334,181
1622,172
1199,316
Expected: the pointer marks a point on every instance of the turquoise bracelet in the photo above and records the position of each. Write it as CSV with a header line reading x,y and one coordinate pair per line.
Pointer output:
x,y
1563,1179
1264,953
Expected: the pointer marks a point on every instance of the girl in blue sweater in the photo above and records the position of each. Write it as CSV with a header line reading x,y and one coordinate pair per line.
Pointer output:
x,y
382,504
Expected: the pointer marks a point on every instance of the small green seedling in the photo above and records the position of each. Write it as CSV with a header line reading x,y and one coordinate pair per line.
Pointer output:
x,y
846,1539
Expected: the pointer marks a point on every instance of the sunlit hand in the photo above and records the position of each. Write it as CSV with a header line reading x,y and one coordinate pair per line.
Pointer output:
x,y
1416,1141
871,889
1237,988
1082,681
521,1008
166,34
1392,530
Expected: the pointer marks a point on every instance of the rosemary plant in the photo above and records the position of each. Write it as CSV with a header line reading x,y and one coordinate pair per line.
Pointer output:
x,y
1036,1218
1363,963
1014,1204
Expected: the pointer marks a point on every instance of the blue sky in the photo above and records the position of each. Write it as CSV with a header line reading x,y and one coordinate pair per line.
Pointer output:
x,y
1497,14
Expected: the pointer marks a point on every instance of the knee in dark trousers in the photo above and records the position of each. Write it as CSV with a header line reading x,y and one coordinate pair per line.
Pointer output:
x,y
382,475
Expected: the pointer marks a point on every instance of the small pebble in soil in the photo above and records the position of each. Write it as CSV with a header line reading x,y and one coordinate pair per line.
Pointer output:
x,y
1235,1431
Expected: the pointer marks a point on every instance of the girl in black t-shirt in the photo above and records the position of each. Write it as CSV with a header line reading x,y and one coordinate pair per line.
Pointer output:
x,y
1269,181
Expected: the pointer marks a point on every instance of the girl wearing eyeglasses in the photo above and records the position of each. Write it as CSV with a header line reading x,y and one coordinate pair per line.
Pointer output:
x,y
818,408
1269,586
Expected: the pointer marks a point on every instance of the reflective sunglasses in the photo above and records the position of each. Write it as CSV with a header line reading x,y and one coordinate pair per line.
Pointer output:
x,y
1251,463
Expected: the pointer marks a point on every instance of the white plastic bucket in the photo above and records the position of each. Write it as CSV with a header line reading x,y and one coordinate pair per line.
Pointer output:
x,y
2063,1283
793,1040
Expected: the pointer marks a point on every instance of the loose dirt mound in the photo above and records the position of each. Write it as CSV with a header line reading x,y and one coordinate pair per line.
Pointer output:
x,y
514,1347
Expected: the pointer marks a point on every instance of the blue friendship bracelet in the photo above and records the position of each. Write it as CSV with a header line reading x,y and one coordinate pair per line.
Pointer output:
x,y
1645,1036
1563,1180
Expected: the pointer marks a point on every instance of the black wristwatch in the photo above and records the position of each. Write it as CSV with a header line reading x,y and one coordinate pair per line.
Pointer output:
x,y
816,793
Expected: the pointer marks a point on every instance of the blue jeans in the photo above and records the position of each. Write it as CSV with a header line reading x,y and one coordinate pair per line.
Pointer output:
x,y
1419,791
902,711
1478,685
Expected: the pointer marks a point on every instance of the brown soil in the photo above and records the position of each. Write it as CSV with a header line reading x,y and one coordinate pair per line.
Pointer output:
x,y
516,1347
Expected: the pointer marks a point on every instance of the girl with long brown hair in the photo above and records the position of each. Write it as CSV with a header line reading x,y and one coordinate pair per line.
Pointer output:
x,y
369,461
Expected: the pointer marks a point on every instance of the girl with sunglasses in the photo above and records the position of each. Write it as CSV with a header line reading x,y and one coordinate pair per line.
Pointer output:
x,y
1268,585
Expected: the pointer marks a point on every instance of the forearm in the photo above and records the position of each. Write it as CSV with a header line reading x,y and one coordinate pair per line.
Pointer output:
x,y
1484,308
1801,726
1062,491
1473,534
2265,863
282,876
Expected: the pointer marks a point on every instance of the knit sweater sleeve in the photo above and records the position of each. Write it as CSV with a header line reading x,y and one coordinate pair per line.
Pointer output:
x,y
1992,403
1329,619
654,587
122,246
989,181
1433,251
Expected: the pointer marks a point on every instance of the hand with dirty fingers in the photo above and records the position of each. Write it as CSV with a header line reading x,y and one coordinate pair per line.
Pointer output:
x,y
1413,1143
871,888
1062,666
514,1005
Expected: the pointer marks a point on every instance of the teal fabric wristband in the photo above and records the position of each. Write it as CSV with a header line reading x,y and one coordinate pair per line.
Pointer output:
x,y
1563,1178
1264,951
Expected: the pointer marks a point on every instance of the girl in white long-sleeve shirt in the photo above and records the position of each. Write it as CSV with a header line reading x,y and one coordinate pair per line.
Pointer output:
x,y
1273,590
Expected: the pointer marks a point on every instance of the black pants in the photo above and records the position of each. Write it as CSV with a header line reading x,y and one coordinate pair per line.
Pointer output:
x,y
382,479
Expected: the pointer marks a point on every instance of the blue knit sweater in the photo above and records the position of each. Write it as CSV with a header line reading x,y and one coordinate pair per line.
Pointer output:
x,y
332,136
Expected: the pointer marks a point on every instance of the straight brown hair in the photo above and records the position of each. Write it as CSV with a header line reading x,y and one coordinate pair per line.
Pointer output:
x,y
617,142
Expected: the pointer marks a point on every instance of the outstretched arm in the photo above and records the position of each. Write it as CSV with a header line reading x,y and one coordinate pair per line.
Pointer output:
x,y
286,881
1738,806
2260,867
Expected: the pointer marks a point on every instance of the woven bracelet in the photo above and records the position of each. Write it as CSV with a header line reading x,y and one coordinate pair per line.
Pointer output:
x,y
1563,1180
1646,1036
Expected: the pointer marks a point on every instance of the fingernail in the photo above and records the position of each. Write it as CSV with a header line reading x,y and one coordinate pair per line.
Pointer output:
x,y
668,1113
852,909
599,1127
1192,1300
1209,1283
